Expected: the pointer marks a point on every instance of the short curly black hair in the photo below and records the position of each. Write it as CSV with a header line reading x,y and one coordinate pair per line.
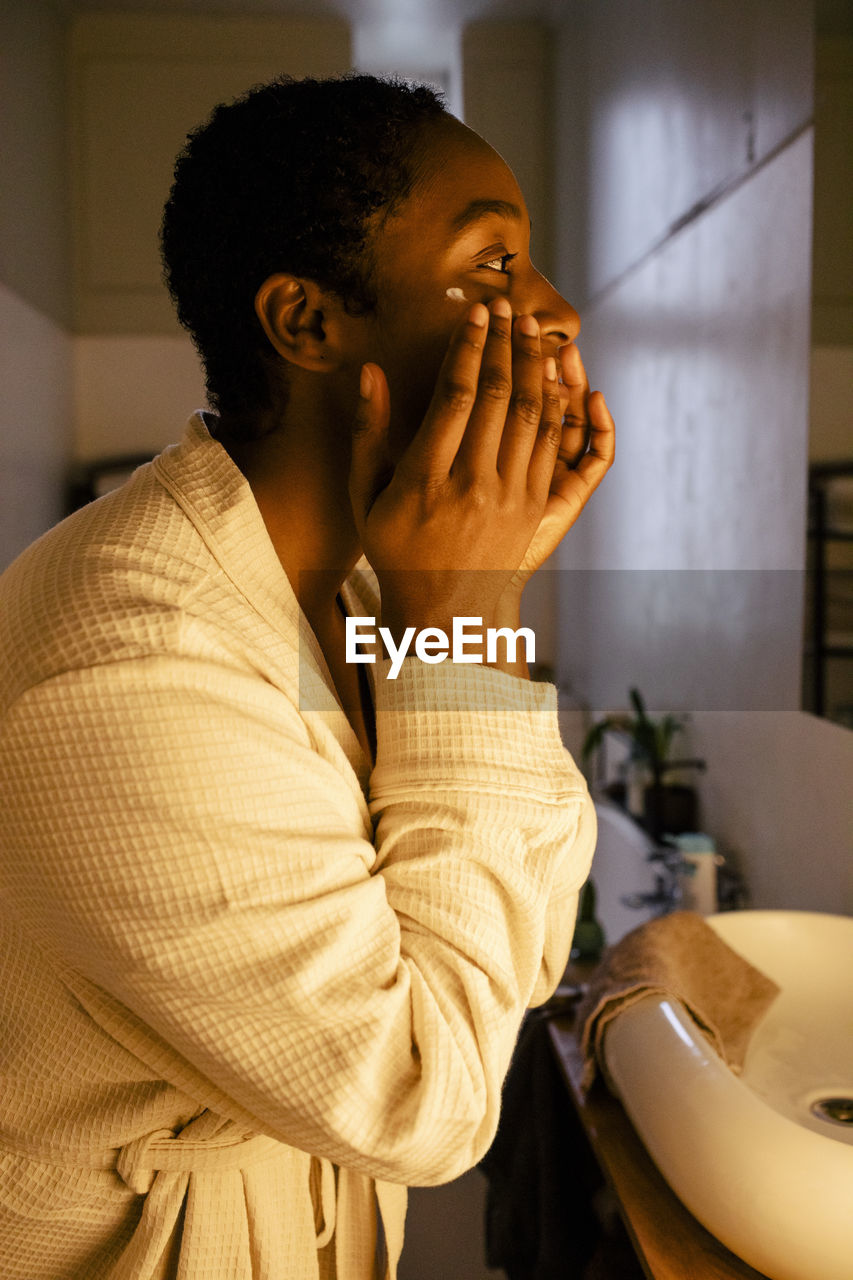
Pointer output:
x,y
286,178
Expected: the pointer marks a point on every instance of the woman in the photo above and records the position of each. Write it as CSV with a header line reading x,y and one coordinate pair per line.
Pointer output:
x,y
271,918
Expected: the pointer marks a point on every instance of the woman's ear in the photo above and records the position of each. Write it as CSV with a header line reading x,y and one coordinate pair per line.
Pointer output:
x,y
294,314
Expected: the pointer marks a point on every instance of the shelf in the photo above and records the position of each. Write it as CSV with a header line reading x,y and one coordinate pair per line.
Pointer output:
x,y
669,1242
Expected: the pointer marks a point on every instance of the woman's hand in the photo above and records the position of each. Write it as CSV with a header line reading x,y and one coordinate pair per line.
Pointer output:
x,y
586,453
482,494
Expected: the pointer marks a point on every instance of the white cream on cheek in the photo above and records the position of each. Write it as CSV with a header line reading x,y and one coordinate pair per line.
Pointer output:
x,y
455,294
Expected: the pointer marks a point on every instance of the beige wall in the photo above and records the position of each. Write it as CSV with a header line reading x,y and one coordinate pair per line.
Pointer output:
x,y
139,83
34,223
91,116
133,392
831,401
35,422
35,346
777,797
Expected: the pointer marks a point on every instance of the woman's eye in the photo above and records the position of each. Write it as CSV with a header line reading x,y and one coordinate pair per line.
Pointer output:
x,y
499,264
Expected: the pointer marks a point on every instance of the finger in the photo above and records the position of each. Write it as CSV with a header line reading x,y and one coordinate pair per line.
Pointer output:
x,y
574,397
525,416
543,455
434,446
478,451
573,487
575,387
369,462
573,375
573,444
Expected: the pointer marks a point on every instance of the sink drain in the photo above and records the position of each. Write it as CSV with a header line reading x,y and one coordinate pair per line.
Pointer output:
x,y
837,1110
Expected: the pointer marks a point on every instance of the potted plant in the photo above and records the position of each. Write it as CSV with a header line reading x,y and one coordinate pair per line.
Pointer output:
x,y
665,807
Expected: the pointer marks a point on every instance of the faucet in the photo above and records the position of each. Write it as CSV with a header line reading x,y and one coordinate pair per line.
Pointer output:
x,y
668,893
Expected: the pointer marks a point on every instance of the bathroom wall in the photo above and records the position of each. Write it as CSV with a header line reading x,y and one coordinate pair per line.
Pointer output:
x,y
35,342
138,83
92,112
689,179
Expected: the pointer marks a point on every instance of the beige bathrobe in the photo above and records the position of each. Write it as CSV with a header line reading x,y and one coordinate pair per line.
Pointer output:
x,y
249,988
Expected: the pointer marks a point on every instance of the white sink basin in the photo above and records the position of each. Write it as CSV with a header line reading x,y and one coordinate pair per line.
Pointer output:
x,y
751,1156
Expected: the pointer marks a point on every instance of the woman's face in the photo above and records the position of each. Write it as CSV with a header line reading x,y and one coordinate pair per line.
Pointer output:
x,y
462,236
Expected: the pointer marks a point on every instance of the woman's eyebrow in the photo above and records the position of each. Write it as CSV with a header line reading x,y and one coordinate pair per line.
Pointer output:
x,y
476,210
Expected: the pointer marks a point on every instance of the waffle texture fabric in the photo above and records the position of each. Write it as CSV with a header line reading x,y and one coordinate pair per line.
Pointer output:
x,y
251,985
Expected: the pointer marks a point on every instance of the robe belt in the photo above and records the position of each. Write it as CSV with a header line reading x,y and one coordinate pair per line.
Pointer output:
x,y
347,1202
164,1151
209,1144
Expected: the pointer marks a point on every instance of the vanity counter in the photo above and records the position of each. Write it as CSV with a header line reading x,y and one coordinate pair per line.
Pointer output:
x,y
669,1242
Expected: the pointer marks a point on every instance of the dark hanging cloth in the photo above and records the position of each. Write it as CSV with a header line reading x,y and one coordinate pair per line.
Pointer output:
x,y
540,1224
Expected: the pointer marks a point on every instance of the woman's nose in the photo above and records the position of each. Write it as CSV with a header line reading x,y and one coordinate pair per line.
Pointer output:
x,y
558,320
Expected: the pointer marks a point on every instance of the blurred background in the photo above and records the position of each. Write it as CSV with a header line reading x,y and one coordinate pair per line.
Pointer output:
x,y
688,171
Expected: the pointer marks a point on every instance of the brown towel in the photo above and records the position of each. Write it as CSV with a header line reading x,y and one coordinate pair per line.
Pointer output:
x,y
678,955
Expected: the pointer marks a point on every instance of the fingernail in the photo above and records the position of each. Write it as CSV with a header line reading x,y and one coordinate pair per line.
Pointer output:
x,y
529,325
550,368
366,383
478,315
501,307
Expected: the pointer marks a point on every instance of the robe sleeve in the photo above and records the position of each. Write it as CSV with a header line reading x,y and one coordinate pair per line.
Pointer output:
x,y
210,887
